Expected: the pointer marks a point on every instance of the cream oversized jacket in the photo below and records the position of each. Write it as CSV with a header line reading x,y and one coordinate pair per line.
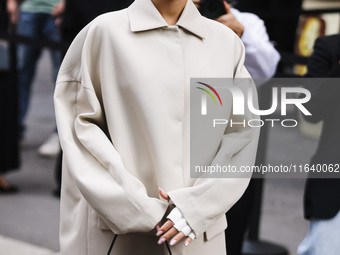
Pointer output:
x,y
122,109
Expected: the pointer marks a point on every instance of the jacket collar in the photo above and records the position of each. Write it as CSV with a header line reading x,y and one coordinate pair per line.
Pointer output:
x,y
143,16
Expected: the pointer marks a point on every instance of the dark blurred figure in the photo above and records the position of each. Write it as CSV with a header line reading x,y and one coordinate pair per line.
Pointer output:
x,y
77,14
280,16
322,196
35,19
9,151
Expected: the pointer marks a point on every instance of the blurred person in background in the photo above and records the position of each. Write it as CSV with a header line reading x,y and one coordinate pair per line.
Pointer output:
x,y
321,198
261,56
35,18
79,13
261,61
9,149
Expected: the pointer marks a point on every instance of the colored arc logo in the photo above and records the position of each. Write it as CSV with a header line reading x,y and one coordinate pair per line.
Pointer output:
x,y
212,89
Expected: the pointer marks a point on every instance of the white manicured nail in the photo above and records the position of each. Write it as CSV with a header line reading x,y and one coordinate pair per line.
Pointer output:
x,y
162,240
173,242
159,233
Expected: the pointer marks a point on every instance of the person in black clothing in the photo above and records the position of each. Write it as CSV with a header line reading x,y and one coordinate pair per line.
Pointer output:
x,y
9,149
281,19
321,200
78,14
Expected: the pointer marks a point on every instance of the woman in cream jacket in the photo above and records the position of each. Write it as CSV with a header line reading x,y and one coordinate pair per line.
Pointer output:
x,y
122,108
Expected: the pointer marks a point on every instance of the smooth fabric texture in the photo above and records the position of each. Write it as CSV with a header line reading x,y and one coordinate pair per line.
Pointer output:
x,y
122,108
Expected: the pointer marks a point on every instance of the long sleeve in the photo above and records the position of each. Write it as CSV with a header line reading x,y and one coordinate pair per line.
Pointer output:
x,y
89,155
210,198
261,56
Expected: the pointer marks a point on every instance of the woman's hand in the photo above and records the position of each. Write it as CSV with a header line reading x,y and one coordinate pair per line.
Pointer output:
x,y
58,9
230,21
57,12
167,230
227,19
12,9
197,3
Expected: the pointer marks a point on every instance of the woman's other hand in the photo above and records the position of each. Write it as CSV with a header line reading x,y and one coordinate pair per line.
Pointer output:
x,y
12,9
166,231
230,21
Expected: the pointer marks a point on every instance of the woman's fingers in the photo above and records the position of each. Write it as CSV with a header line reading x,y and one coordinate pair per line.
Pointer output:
x,y
168,231
165,227
227,6
172,231
187,241
177,238
163,194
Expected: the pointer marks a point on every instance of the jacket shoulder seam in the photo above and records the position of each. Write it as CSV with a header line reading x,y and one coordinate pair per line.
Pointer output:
x,y
76,81
65,81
